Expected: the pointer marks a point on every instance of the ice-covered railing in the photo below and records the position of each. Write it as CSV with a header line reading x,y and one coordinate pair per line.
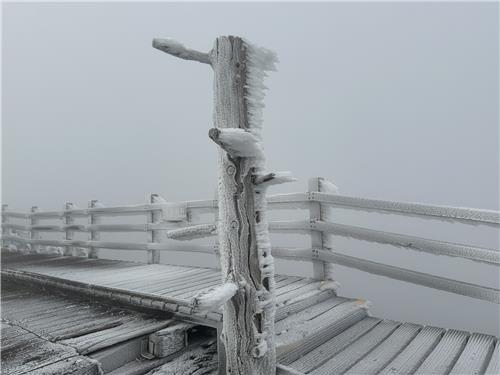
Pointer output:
x,y
183,221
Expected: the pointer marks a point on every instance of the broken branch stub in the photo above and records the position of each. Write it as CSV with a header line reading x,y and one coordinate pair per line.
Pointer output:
x,y
237,142
177,49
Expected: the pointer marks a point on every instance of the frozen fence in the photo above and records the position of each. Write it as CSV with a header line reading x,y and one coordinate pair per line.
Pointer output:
x,y
178,220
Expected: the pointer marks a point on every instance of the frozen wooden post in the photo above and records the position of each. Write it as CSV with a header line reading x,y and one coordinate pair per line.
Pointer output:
x,y
5,220
245,251
68,234
317,211
154,235
34,234
316,235
94,235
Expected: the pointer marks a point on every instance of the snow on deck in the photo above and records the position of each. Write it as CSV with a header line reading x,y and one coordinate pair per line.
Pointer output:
x,y
317,332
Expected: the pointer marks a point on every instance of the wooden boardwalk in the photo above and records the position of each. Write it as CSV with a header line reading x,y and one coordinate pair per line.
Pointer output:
x,y
317,332
49,333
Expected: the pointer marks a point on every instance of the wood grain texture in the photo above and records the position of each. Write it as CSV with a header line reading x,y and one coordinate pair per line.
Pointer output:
x,y
246,322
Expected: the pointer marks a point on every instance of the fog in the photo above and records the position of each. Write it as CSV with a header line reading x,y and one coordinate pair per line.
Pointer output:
x,y
387,100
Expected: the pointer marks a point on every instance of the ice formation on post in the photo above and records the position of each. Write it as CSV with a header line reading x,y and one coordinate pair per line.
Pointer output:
x,y
245,251
247,265
259,61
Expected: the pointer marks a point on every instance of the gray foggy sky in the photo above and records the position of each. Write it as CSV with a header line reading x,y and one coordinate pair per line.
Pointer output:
x,y
388,100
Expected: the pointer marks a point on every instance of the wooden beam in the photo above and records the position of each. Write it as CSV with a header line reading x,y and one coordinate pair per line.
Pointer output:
x,y
94,235
154,236
244,246
316,236
176,49
68,220
34,235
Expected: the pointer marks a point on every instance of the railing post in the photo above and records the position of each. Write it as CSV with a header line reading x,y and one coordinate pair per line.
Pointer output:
x,y
5,231
94,235
68,234
34,234
154,236
316,236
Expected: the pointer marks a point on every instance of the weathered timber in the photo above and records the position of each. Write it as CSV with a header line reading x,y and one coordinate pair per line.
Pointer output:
x,y
93,234
244,244
169,340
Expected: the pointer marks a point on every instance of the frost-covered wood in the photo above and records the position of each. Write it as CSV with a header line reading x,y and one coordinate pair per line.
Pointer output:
x,y
245,251
192,232
34,235
273,178
214,298
461,214
68,233
237,142
169,340
93,234
317,237
174,48
154,217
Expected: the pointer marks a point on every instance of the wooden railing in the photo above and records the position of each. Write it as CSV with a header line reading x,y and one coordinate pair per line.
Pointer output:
x,y
181,220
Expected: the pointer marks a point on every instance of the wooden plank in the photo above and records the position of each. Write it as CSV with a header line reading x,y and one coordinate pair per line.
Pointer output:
x,y
415,353
306,335
494,365
330,348
348,357
78,365
24,352
379,357
301,302
306,288
475,356
92,342
445,354
150,276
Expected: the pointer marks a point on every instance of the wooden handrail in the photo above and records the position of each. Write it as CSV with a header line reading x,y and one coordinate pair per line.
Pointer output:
x,y
449,213
297,200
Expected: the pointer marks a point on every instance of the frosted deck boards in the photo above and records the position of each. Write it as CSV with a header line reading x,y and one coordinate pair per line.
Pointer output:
x,y
317,332
158,286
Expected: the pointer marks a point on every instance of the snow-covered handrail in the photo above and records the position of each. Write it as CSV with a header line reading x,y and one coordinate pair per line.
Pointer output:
x,y
435,247
298,200
414,277
461,214
182,232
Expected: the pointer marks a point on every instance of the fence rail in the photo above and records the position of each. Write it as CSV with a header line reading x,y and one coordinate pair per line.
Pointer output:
x,y
174,218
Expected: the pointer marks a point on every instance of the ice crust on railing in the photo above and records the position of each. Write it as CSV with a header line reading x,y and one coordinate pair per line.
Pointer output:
x,y
450,214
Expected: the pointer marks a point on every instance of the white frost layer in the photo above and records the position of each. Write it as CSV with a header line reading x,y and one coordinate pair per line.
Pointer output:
x,y
326,186
241,143
216,297
274,178
258,62
192,232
